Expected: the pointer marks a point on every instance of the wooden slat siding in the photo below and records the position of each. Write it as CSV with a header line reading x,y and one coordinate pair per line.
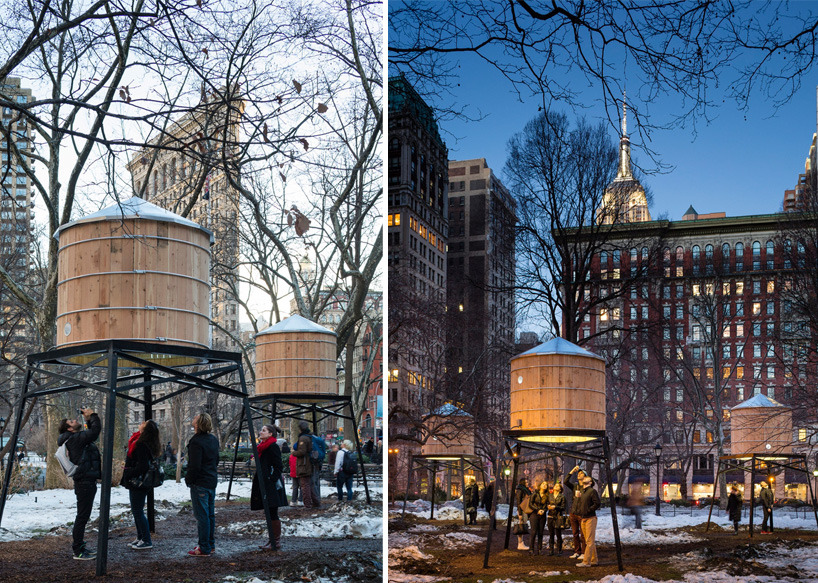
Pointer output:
x,y
446,443
558,391
295,362
97,264
752,428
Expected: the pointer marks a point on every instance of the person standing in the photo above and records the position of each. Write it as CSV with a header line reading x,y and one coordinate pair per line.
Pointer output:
x,y
573,492
303,465
522,491
319,450
343,478
379,452
539,506
201,478
767,498
734,504
83,452
269,457
471,498
556,506
143,446
488,496
296,497
369,448
589,502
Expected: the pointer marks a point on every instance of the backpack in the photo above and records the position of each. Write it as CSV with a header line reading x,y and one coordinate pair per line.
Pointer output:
x,y
349,463
69,467
319,449
153,478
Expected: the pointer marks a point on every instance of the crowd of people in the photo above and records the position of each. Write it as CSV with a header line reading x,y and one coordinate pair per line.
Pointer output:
x,y
145,452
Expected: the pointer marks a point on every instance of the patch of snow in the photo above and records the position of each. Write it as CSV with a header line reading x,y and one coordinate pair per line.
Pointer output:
x,y
409,553
396,577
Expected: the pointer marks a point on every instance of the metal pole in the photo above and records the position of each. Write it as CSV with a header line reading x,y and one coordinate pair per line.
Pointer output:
x,y
235,457
408,484
432,476
493,513
148,398
713,498
360,455
510,497
658,485
752,492
463,488
18,419
107,464
809,484
607,455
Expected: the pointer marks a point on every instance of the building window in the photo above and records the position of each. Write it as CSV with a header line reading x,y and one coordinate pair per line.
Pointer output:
x,y
756,256
739,257
739,330
770,255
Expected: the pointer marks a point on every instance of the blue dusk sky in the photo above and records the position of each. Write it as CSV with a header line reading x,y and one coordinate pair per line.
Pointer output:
x,y
739,163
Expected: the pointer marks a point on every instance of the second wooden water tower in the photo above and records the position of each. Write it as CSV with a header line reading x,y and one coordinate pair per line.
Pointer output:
x,y
558,393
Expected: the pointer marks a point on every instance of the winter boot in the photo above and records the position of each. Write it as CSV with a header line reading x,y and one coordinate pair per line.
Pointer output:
x,y
559,548
550,549
521,546
539,547
276,535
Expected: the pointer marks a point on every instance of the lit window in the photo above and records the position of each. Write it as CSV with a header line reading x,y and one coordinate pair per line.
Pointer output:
x,y
802,434
603,315
739,287
770,287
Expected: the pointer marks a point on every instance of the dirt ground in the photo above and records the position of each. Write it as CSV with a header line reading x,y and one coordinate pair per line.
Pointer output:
x,y
721,550
49,559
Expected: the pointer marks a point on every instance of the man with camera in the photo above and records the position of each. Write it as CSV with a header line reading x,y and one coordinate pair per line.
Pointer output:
x,y
83,452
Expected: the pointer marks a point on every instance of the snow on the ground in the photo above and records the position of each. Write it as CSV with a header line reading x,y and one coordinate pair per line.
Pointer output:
x,y
407,553
253,579
38,512
395,577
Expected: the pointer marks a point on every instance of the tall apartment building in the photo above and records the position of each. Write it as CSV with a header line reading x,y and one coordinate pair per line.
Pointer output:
x,y
480,290
16,215
710,326
180,163
417,234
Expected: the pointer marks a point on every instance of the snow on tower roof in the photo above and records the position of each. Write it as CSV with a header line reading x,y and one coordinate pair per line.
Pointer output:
x,y
296,323
561,346
449,409
135,208
759,401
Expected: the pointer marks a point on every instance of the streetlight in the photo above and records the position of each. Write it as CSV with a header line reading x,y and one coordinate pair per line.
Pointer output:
x,y
657,450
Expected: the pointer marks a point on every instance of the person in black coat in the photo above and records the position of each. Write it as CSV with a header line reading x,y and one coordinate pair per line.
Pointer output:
x,y
556,506
539,505
471,499
269,458
734,504
488,497
201,478
85,454
767,498
143,446
520,494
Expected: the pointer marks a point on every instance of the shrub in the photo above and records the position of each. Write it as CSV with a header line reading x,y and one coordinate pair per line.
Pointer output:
x,y
23,479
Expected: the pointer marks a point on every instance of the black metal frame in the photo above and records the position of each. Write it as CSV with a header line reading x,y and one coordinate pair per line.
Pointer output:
x,y
104,359
517,447
435,462
296,405
739,462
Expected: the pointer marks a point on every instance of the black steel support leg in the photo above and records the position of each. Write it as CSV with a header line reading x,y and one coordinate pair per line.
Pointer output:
x,y
360,455
235,456
432,478
408,484
608,476
107,465
18,420
510,498
463,488
752,492
713,497
148,398
493,513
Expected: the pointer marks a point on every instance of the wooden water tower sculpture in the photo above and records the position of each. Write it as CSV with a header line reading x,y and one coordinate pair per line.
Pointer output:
x,y
761,426
296,356
134,271
448,439
557,394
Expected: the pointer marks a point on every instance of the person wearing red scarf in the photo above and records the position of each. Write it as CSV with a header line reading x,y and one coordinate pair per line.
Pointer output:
x,y
269,457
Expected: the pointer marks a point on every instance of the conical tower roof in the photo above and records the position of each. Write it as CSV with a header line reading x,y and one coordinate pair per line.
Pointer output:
x,y
295,323
560,346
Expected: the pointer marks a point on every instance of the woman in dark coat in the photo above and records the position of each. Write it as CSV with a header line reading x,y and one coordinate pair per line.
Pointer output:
x,y
734,504
520,493
539,504
271,468
556,506
143,446
471,499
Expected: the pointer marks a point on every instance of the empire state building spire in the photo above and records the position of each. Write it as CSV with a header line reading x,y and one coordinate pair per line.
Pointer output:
x,y
624,172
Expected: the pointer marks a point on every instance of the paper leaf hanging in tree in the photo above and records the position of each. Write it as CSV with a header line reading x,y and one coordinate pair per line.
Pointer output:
x,y
297,86
283,178
305,143
322,108
297,219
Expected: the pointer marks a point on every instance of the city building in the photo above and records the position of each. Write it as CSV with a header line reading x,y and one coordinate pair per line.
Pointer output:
x,y
480,291
624,200
16,216
710,325
417,224
180,171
